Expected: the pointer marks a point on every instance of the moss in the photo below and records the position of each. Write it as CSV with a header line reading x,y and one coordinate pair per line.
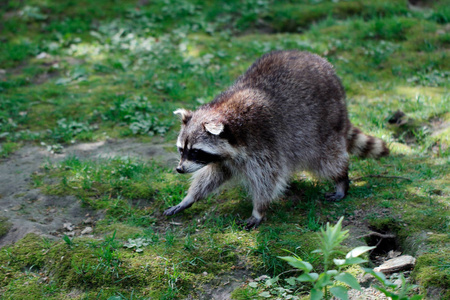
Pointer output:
x,y
385,224
432,270
4,226
244,293
25,287
172,273
122,231
26,252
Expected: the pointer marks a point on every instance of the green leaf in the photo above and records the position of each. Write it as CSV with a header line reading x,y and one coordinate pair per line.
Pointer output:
x,y
380,276
316,294
358,251
271,281
308,277
297,263
339,292
416,297
339,262
265,295
348,279
332,272
354,261
291,280
324,280
253,284
384,291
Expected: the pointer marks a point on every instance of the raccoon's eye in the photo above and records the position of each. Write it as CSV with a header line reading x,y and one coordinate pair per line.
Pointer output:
x,y
180,150
202,157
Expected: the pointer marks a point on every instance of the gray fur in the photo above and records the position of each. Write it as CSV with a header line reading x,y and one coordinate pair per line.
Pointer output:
x,y
286,113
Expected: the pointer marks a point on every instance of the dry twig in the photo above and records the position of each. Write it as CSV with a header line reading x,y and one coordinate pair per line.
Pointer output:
x,y
379,176
380,235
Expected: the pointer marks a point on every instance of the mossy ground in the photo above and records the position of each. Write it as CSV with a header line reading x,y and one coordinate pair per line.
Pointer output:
x,y
4,226
76,71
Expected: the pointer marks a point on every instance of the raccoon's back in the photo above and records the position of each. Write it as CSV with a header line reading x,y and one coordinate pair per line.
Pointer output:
x,y
294,76
305,96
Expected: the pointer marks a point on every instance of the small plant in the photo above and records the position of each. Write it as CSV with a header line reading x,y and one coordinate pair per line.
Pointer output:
x,y
68,241
330,240
281,292
138,244
139,114
329,282
66,130
53,149
107,251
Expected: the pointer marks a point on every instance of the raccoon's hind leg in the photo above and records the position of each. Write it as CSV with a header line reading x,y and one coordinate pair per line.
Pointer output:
x,y
342,184
205,181
335,167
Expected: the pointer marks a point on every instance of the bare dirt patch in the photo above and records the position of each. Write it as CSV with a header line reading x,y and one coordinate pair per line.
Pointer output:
x,y
28,210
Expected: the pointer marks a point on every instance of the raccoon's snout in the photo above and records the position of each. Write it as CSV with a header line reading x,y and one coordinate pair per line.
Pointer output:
x,y
180,170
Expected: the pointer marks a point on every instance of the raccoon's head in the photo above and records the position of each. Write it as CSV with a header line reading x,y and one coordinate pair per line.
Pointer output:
x,y
200,141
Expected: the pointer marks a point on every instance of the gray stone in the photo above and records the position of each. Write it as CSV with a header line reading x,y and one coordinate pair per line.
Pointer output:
x,y
87,230
404,262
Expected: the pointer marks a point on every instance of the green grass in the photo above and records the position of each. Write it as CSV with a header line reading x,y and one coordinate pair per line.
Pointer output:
x,y
4,226
84,71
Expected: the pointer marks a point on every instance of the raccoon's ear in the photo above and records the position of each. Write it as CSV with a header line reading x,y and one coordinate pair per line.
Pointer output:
x,y
215,128
185,115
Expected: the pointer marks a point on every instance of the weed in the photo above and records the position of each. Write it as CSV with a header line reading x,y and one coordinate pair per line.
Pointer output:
x,y
138,244
138,113
170,238
66,130
8,148
68,241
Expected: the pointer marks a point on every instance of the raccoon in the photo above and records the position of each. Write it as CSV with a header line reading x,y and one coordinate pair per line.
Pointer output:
x,y
286,113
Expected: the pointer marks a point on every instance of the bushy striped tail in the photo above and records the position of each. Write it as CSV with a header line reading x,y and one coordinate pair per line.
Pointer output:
x,y
364,145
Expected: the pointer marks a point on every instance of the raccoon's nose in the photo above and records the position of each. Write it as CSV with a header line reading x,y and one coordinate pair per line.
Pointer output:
x,y
180,169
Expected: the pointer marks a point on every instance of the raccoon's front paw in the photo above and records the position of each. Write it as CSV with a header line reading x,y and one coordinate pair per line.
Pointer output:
x,y
175,209
252,222
334,196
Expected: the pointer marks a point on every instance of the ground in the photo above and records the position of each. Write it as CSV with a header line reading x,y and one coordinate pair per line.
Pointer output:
x,y
87,145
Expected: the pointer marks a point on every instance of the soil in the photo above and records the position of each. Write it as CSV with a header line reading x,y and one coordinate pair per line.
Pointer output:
x,y
30,211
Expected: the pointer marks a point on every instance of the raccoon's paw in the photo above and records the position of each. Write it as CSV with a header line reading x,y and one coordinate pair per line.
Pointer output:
x,y
252,222
334,196
175,209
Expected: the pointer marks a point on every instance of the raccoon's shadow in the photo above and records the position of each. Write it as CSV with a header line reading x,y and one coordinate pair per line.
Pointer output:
x,y
304,191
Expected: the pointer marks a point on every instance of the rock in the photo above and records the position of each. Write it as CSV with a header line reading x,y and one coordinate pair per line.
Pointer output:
x,y
393,254
262,277
16,208
400,263
88,221
87,230
42,55
68,226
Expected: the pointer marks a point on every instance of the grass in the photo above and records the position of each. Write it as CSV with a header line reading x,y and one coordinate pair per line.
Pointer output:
x,y
76,71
